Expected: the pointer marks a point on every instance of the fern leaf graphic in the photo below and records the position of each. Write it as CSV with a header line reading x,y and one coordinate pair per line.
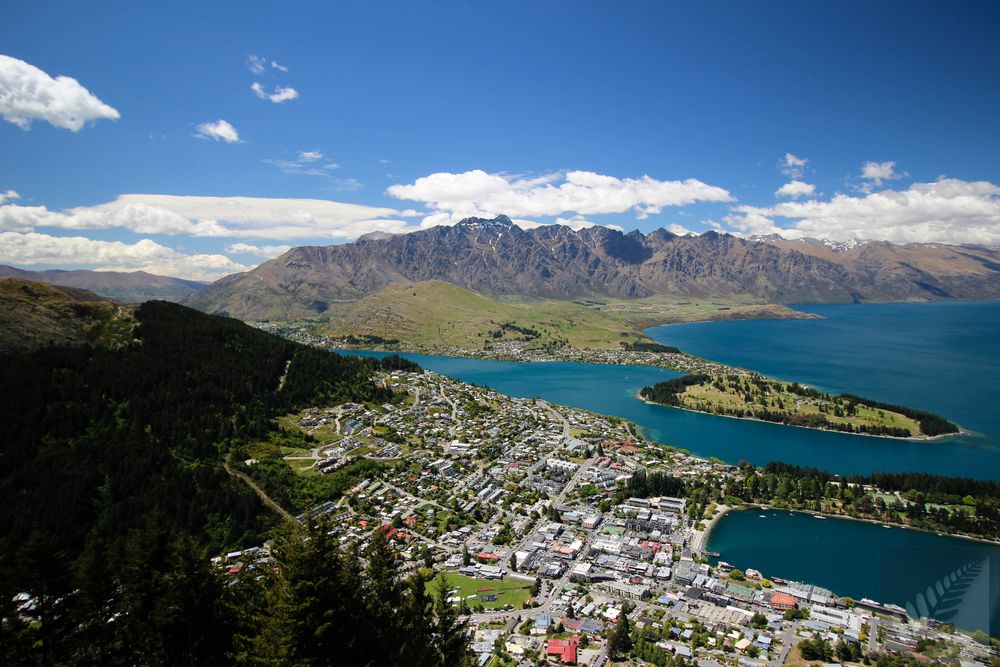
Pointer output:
x,y
942,599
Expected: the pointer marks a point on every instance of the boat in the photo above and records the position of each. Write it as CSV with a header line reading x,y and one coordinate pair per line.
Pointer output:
x,y
763,516
817,516
713,554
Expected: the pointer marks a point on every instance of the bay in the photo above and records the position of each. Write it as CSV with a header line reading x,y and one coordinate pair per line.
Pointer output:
x,y
943,357
866,560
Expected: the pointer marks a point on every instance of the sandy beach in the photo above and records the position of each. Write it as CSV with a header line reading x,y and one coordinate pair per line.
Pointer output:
x,y
698,539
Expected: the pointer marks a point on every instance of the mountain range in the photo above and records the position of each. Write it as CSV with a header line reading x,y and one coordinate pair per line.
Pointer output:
x,y
125,287
499,259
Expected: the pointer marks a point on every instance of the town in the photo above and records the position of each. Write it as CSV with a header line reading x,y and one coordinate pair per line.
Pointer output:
x,y
556,553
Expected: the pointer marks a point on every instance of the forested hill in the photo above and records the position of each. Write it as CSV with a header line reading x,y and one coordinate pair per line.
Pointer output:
x,y
114,494
95,440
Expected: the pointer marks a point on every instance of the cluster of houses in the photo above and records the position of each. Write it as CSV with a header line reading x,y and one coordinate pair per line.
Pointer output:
x,y
521,489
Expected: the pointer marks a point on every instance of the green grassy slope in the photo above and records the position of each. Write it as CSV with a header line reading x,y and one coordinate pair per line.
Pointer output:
x,y
441,314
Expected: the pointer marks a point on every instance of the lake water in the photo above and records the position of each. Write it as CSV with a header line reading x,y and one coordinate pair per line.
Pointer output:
x,y
861,560
941,357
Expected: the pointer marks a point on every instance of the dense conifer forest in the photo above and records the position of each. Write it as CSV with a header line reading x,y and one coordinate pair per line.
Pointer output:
x,y
115,494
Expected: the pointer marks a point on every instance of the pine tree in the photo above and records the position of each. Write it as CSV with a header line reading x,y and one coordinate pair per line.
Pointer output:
x,y
619,639
42,569
95,602
451,640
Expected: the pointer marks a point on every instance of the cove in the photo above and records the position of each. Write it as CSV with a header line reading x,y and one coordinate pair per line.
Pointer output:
x,y
866,560
611,390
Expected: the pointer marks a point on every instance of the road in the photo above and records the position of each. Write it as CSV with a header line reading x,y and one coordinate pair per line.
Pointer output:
x,y
788,640
873,635
573,480
259,491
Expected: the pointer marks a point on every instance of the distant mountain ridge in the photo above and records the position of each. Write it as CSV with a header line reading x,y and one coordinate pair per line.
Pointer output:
x,y
499,259
126,287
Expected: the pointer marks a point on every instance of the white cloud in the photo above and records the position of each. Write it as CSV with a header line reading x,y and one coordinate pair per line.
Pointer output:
x,y
280,94
10,195
220,217
280,68
579,192
255,64
945,211
305,164
267,251
345,185
680,230
577,223
793,166
877,172
795,189
220,130
28,94
32,248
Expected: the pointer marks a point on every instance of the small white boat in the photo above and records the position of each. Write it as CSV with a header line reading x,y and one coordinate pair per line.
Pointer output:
x,y
817,516
763,516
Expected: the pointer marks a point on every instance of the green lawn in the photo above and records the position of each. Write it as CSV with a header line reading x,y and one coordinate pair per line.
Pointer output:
x,y
508,591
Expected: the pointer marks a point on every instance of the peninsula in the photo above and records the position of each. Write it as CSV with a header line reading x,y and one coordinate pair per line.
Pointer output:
x,y
753,396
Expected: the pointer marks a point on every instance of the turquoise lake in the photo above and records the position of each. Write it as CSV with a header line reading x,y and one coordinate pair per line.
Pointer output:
x,y
941,357
862,560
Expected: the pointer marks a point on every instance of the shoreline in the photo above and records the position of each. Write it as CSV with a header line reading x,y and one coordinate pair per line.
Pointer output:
x,y
701,536
912,438
452,355
828,515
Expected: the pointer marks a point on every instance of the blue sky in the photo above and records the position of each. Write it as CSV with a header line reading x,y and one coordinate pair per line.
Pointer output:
x,y
689,116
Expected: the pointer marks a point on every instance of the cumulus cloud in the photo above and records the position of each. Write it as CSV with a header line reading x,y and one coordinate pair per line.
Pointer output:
x,y
220,217
28,94
877,172
793,166
310,156
578,192
255,64
795,189
280,68
32,248
10,195
280,94
945,211
267,251
220,130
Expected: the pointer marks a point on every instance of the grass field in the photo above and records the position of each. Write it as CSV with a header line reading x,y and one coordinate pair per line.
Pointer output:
x,y
507,591
436,313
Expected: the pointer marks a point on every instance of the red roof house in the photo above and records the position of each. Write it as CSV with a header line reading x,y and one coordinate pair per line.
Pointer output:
x,y
563,649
